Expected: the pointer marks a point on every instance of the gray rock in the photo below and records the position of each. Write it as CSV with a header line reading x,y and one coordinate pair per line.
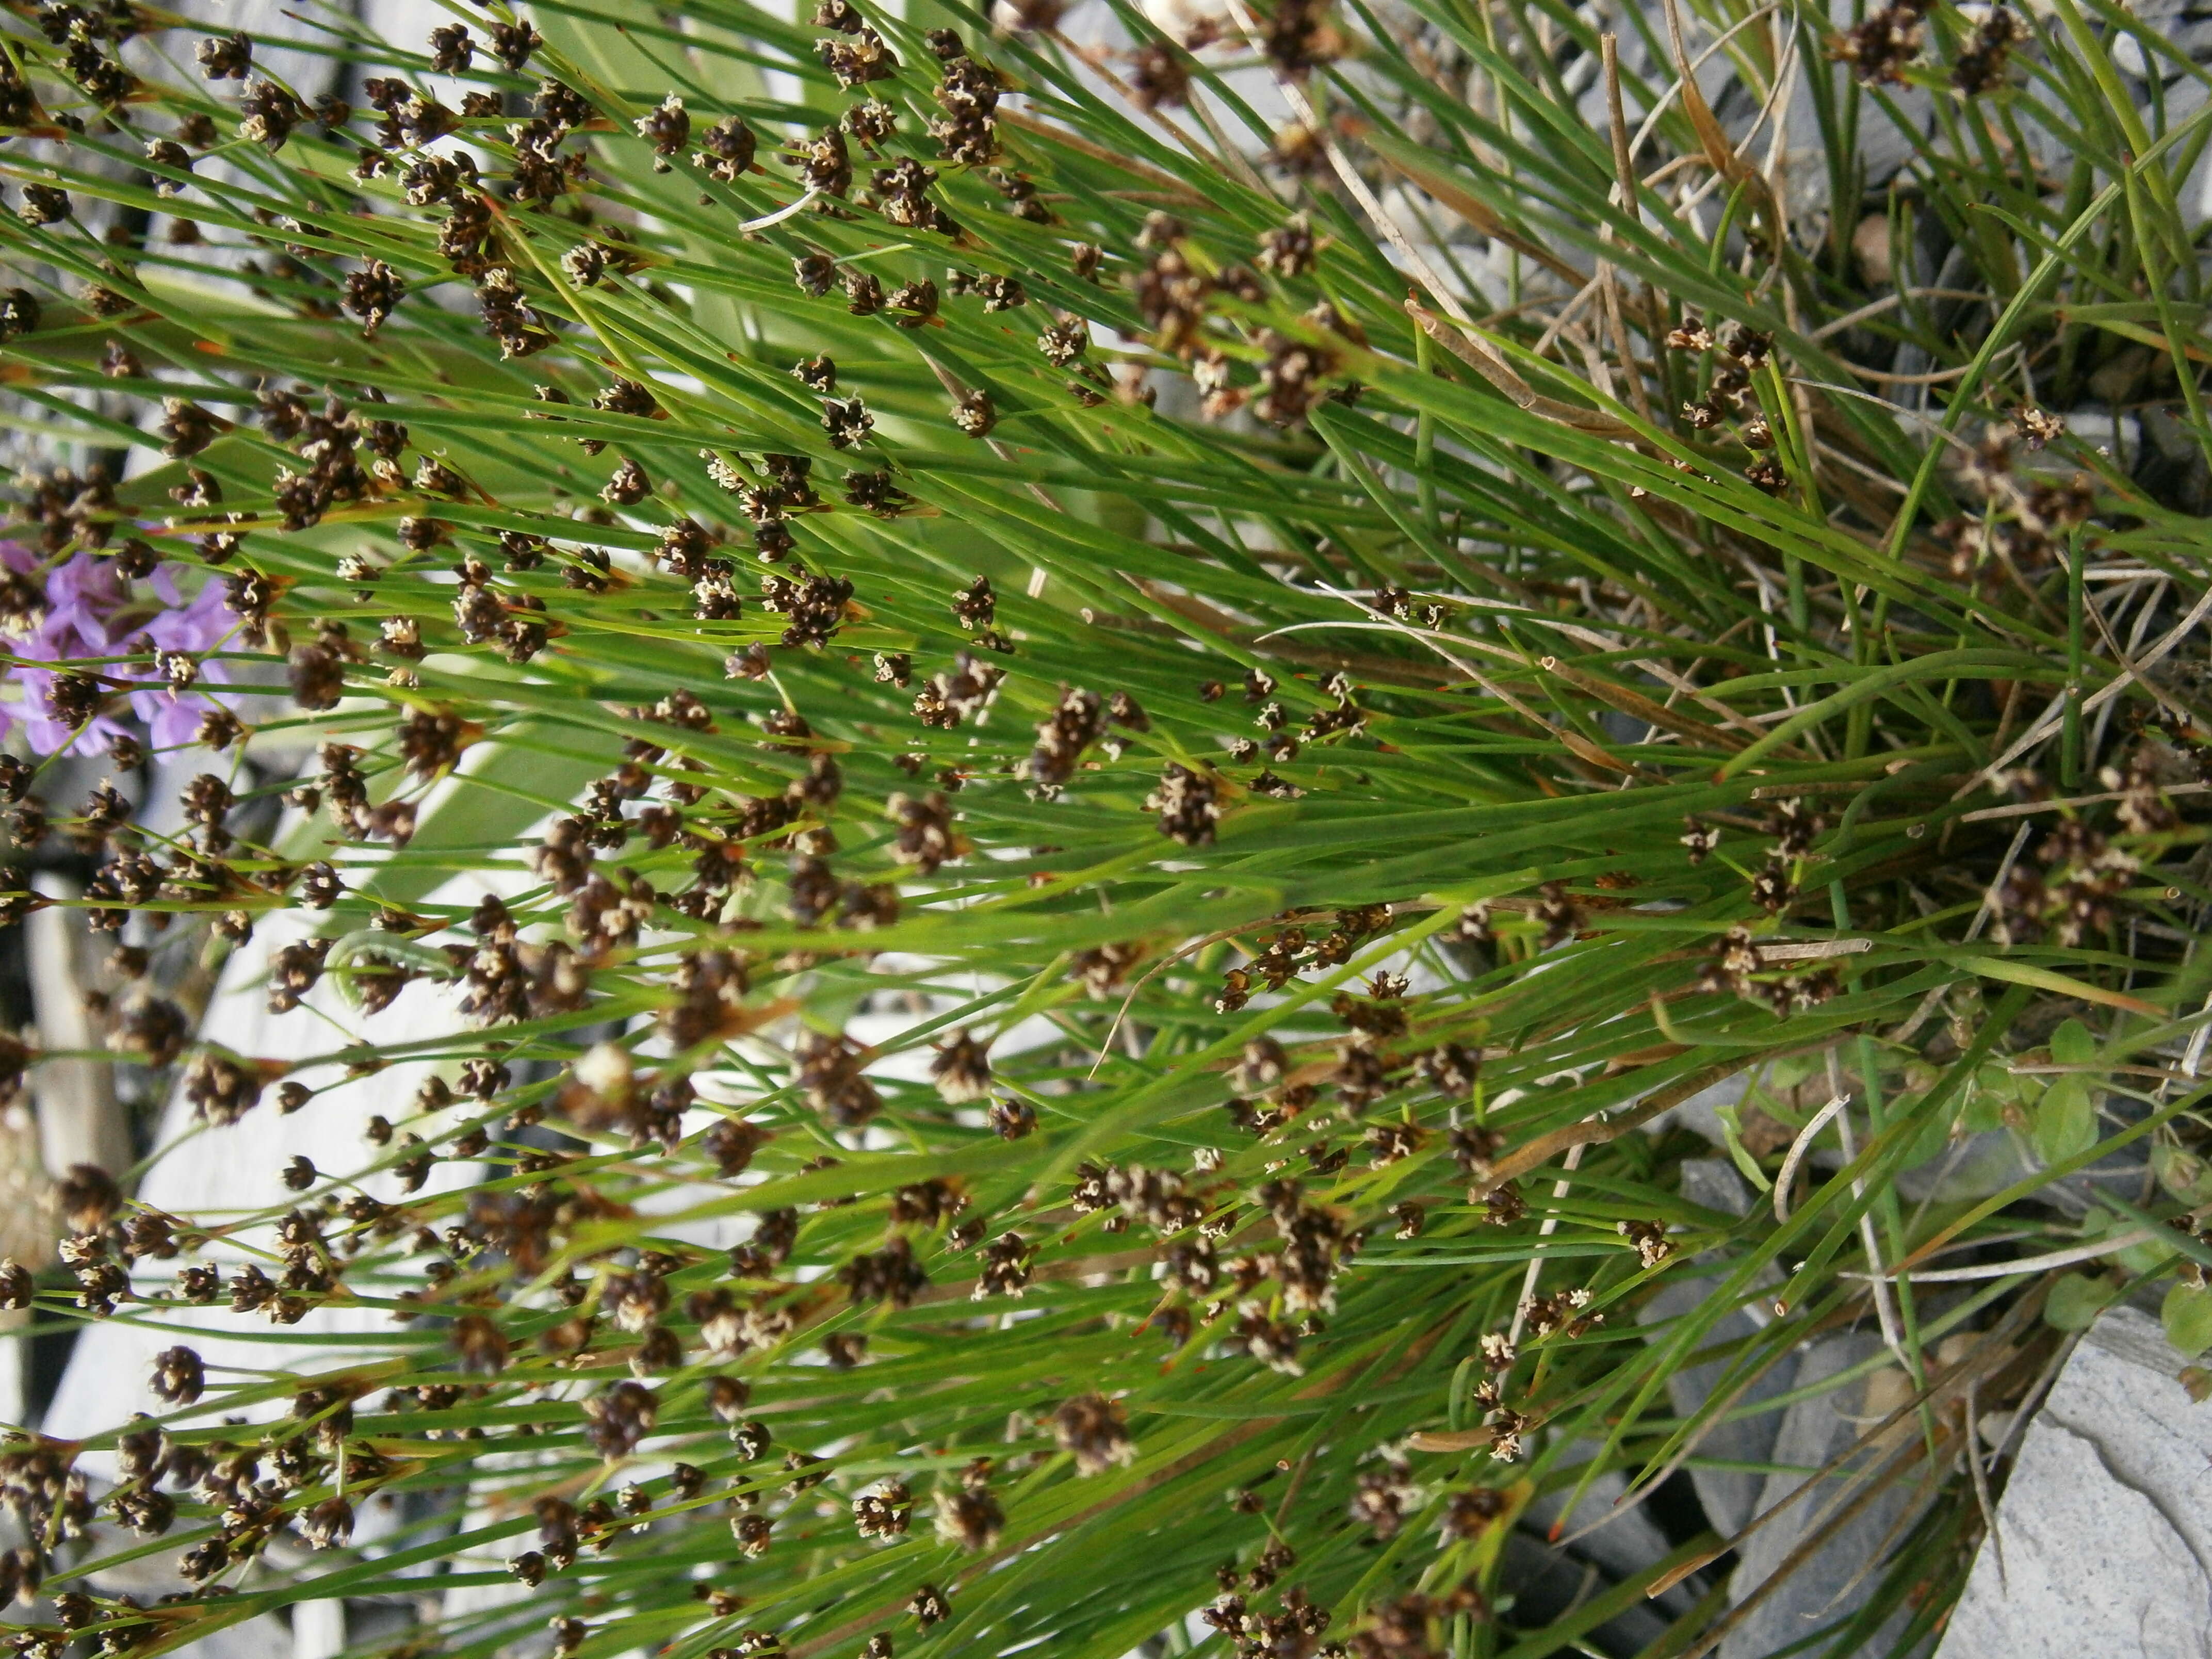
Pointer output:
x,y
1830,1585
1729,1497
1628,1542
2172,468
2107,1544
1713,1183
1548,1583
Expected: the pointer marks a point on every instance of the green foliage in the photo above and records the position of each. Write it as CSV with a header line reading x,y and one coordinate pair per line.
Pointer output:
x,y
1324,771
2076,1299
2187,1314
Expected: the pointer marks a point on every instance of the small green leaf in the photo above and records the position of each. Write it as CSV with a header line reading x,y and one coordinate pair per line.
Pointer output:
x,y
2187,1316
1792,1070
1983,1108
1732,1132
2071,1044
2076,1301
2064,1125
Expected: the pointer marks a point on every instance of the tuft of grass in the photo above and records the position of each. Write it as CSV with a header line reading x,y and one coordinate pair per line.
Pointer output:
x,y
1141,744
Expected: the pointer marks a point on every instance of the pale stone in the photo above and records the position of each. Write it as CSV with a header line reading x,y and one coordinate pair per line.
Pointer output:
x,y
1833,1581
2107,1546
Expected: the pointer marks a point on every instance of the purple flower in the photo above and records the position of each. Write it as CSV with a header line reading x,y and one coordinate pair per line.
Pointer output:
x,y
34,712
82,596
90,612
174,716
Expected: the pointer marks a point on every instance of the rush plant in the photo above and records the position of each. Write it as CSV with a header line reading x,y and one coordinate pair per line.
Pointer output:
x,y
1329,667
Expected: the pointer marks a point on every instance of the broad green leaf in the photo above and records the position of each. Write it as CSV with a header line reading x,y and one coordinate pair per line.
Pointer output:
x,y
2065,1124
2076,1299
2071,1044
2186,1313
